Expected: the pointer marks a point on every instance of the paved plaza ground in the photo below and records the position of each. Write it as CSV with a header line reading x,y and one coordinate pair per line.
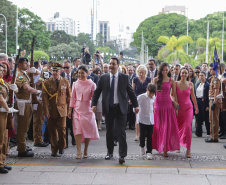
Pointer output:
x,y
207,166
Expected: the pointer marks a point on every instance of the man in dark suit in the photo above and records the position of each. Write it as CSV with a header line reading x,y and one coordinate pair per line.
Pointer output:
x,y
115,88
95,78
152,72
76,62
205,68
67,73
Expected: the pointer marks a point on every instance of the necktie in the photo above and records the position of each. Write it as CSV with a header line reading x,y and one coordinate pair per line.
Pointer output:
x,y
111,99
175,77
68,77
57,83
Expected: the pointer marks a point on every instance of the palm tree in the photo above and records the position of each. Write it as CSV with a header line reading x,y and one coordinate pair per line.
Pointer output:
x,y
173,52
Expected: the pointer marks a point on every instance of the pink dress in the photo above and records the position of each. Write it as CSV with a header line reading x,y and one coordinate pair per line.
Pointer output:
x,y
165,133
185,116
83,117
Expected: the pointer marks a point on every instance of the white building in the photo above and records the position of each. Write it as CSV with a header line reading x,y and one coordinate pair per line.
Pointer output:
x,y
104,29
174,9
63,23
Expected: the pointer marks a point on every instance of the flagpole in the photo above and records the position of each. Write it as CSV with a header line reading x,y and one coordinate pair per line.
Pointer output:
x,y
223,40
187,30
207,43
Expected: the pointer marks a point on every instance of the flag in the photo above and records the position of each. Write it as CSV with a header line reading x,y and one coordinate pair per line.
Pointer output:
x,y
215,61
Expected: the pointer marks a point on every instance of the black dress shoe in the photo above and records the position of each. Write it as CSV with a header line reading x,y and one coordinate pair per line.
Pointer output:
x,y
209,140
8,167
221,134
61,151
115,143
121,160
223,137
224,146
132,128
108,156
28,149
3,170
25,154
43,144
73,142
55,155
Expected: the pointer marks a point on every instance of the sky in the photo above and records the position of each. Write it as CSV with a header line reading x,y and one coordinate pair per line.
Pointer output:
x,y
118,12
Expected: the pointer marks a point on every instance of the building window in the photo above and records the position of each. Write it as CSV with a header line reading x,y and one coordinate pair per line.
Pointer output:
x,y
53,27
48,27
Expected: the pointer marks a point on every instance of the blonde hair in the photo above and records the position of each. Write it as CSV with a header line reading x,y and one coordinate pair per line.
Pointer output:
x,y
124,67
142,68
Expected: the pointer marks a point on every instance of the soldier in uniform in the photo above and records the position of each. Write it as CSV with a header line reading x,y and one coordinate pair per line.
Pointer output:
x,y
23,103
38,118
4,110
56,98
214,106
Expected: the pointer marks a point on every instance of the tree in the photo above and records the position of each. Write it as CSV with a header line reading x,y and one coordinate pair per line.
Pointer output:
x,y
99,40
60,36
83,39
9,10
30,25
173,50
40,55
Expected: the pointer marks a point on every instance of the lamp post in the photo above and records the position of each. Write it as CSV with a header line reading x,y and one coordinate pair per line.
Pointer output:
x,y
5,33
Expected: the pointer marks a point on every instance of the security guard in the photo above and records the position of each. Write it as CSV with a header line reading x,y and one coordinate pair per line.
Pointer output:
x,y
23,103
4,110
56,98
38,118
214,106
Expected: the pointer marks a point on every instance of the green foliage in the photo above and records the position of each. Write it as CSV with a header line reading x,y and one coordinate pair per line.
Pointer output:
x,y
40,55
30,25
9,11
83,39
60,36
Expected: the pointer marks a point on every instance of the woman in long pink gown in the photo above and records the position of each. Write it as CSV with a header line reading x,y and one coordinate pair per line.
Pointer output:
x,y
84,123
165,133
185,90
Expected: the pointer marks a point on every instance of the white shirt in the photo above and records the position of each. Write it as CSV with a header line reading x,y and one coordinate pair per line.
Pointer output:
x,y
146,114
115,88
199,91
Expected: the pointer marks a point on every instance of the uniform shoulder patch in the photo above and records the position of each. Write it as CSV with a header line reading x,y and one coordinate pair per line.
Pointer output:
x,y
21,77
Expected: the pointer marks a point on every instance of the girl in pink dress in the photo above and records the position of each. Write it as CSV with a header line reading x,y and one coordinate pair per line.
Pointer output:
x,y
185,90
84,123
165,133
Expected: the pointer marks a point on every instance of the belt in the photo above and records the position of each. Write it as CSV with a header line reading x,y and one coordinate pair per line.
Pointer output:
x,y
25,101
211,98
115,105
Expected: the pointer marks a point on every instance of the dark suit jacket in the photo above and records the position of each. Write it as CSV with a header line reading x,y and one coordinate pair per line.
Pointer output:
x,y
95,77
124,90
206,92
63,75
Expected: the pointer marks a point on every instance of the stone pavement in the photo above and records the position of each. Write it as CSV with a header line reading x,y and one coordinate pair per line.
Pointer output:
x,y
207,166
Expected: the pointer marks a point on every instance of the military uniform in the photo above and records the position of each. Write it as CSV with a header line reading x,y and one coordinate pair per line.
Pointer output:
x,y
214,115
23,103
38,115
3,122
56,103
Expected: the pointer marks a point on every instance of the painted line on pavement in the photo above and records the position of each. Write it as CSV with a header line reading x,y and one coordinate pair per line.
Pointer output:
x,y
120,166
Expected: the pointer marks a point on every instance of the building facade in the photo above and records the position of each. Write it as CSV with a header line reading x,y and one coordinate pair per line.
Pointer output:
x,y
104,29
174,9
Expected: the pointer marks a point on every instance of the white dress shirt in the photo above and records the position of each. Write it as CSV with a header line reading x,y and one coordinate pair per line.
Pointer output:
x,y
115,88
146,114
199,91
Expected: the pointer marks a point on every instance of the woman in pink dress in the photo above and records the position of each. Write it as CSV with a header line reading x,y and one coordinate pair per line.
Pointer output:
x,y
185,90
165,133
84,123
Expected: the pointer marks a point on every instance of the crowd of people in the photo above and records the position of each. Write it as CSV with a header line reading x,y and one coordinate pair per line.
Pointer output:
x,y
159,103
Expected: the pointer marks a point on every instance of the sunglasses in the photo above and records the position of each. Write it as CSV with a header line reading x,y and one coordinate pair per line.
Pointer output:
x,y
197,72
66,67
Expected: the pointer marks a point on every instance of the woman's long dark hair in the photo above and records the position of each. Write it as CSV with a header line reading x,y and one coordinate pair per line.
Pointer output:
x,y
160,76
179,76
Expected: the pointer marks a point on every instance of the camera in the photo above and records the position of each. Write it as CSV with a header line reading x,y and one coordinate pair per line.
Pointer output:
x,y
97,53
83,49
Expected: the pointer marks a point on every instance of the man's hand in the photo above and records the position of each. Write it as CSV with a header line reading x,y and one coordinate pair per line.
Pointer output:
x,y
23,53
47,115
38,92
137,110
69,115
94,109
207,108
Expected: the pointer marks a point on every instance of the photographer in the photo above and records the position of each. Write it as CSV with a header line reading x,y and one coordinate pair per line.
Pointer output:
x,y
97,56
85,55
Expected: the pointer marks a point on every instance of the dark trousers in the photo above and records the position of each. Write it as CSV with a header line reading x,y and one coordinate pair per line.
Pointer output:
x,y
115,116
146,131
69,126
203,115
222,122
115,132
131,117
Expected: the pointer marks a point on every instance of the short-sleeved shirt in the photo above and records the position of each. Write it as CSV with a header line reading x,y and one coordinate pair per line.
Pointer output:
x,y
21,80
139,87
214,84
